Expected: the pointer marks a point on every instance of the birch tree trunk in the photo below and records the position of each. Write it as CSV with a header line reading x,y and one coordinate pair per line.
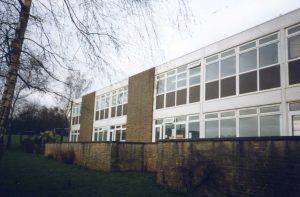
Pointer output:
x,y
13,68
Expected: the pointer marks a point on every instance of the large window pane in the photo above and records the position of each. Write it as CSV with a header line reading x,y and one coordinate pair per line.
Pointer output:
x,y
171,83
118,135
113,112
248,61
125,109
270,125
170,99
212,71
160,86
181,97
228,66
248,127
194,130
212,90
180,131
119,110
160,101
294,107
294,47
268,55
269,78
195,71
123,135
181,80
228,87
294,72
248,82
227,128
212,129
194,94
195,80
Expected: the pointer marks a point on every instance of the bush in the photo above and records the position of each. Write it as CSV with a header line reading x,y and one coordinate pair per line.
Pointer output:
x,y
68,156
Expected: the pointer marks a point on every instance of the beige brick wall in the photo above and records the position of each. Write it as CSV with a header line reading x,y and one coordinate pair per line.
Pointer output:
x,y
86,118
107,156
140,107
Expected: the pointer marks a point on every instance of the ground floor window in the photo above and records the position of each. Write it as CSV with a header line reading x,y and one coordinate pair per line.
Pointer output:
x,y
74,134
250,122
180,127
109,133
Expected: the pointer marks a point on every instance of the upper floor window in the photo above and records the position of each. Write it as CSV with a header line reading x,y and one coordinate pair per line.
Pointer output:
x,y
102,107
76,110
179,86
119,102
254,64
294,54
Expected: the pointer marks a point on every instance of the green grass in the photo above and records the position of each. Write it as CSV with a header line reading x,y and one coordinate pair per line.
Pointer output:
x,y
23,174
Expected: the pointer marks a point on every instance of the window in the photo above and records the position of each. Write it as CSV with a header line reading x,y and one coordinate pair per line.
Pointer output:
x,y
257,66
248,126
180,127
119,102
212,129
76,111
74,134
270,125
179,86
294,54
294,106
102,107
263,121
221,76
110,133
251,122
194,127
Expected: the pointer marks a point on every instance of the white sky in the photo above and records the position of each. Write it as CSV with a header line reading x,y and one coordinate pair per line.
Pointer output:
x,y
212,20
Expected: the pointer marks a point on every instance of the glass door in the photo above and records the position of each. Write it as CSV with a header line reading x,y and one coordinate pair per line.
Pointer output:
x,y
294,119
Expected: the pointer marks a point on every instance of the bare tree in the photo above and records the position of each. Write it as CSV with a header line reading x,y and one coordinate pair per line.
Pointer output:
x,y
36,28
74,86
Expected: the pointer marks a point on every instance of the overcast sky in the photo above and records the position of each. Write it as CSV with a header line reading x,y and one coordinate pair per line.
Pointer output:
x,y
211,21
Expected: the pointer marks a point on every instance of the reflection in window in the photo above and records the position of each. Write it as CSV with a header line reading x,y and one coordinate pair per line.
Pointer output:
x,y
227,128
212,129
248,61
268,55
248,127
228,66
212,71
270,125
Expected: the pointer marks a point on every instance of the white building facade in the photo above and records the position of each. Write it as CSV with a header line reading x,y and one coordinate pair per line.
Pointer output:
x,y
247,85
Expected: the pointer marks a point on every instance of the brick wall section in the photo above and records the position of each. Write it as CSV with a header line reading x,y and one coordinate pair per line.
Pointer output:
x,y
231,167
86,118
109,156
140,107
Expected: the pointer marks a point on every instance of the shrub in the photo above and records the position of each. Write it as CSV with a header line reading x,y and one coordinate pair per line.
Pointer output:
x,y
68,156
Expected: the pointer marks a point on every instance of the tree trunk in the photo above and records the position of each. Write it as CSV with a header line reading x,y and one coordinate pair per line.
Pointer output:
x,y
13,68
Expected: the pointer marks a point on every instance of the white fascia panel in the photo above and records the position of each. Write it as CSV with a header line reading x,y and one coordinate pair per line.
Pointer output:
x,y
293,94
110,121
75,127
177,111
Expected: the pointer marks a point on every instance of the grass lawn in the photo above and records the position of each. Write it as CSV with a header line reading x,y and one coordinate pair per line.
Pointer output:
x,y
23,174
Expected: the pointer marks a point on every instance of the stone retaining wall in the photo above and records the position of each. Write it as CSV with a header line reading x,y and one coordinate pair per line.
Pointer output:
x,y
109,156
